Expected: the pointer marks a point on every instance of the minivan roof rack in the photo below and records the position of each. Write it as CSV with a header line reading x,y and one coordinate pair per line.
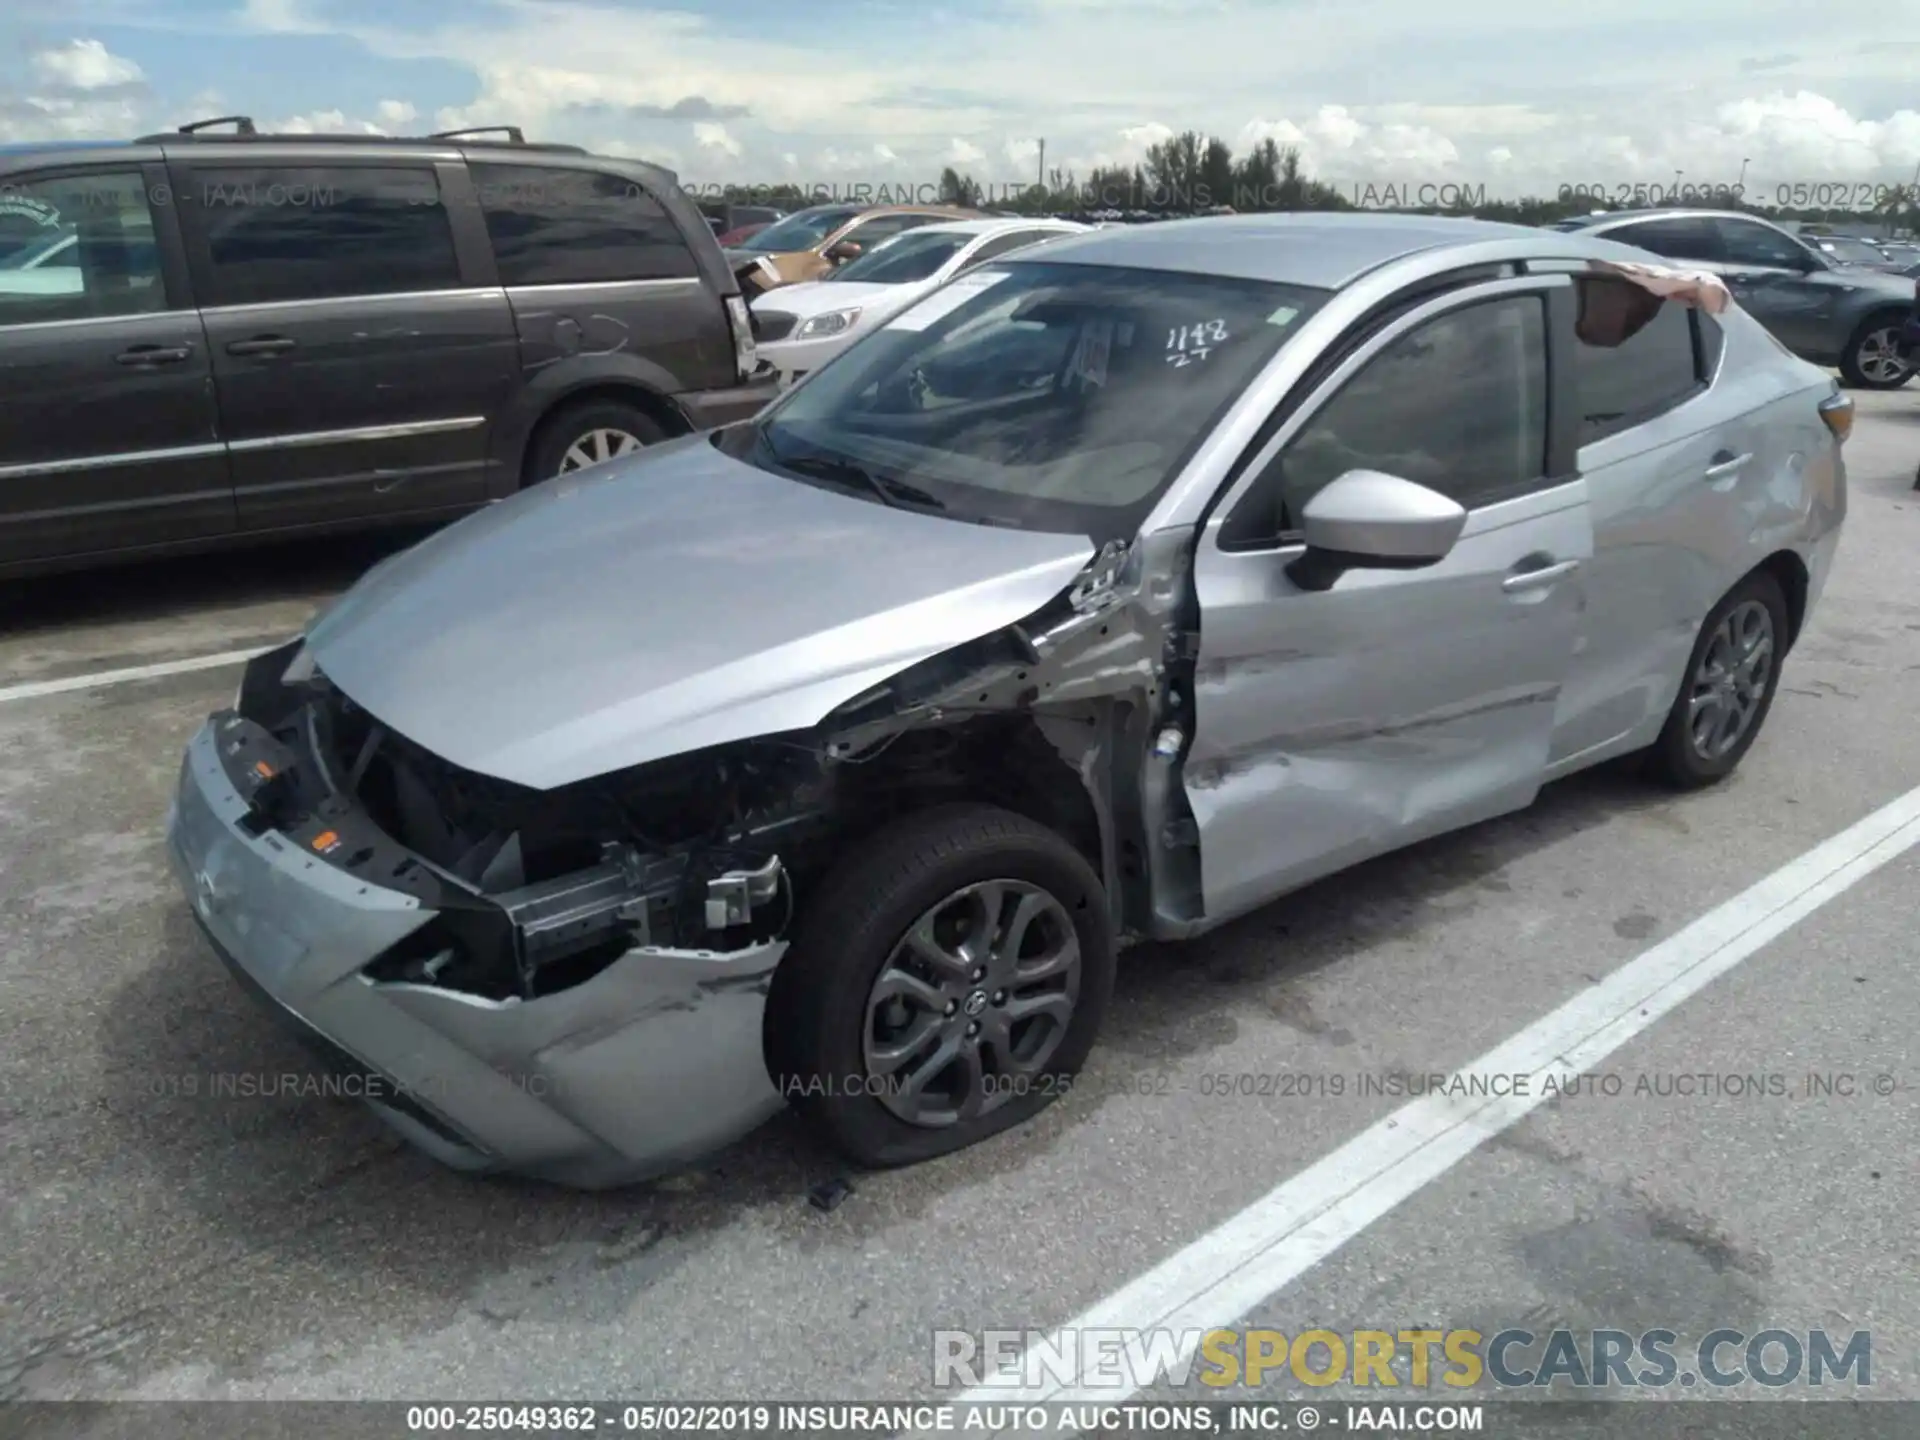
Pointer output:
x,y
514,134
245,129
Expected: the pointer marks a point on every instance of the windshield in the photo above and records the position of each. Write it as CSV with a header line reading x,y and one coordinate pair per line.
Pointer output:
x,y
912,255
1853,252
1045,396
800,232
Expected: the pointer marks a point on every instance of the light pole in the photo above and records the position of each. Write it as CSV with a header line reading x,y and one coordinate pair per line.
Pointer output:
x,y
1740,185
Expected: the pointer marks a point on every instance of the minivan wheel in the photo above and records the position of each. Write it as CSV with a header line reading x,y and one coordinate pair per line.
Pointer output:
x,y
1731,679
1872,360
590,434
946,982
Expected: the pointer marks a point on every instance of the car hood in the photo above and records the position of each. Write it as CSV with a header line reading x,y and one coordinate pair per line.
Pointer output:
x,y
662,604
816,297
1865,277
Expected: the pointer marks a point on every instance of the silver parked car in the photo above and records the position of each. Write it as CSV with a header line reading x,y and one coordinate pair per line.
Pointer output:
x,y
1819,305
1103,595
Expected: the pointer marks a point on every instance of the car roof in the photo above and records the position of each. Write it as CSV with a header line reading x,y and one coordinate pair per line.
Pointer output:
x,y
1323,251
1588,222
995,227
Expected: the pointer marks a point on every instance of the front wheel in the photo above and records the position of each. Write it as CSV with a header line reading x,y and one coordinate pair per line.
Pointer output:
x,y
946,983
1873,359
1731,679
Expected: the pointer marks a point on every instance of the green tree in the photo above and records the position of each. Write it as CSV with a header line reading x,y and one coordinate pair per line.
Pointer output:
x,y
958,189
1173,172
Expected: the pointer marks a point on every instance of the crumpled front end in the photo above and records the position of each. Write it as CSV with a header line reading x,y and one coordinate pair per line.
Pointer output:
x,y
499,1022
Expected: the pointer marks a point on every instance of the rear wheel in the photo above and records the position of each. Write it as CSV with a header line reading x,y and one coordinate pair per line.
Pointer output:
x,y
1731,679
1873,358
593,433
945,984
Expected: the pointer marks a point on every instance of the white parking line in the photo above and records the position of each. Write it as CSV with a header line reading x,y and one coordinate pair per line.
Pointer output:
x,y
1225,1275
155,671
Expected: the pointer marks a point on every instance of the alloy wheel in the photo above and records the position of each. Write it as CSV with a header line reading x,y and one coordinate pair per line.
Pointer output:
x,y
1879,357
1730,683
971,1004
596,447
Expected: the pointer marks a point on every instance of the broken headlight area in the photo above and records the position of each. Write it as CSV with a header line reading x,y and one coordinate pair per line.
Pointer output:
x,y
535,891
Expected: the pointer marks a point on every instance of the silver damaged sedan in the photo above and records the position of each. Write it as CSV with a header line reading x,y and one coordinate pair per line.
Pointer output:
x,y
1105,595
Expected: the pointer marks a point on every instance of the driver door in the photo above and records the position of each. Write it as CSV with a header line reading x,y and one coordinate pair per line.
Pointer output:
x,y
1337,724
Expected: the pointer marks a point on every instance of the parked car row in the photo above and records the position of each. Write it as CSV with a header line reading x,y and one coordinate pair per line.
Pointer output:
x,y
800,327
810,243
1116,588
210,337
1821,306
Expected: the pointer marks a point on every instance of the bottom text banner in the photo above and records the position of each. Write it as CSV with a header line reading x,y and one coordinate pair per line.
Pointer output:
x,y
909,1420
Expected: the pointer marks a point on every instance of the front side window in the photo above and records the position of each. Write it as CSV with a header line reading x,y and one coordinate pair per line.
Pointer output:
x,y
320,233
1634,355
1747,242
1056,397
800,231
904,259
1458,404
80,247
577,227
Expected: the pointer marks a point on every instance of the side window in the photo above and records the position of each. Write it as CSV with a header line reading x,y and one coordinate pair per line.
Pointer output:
x,y
317,234
870,233
1748,243
1458,404
1006,244
78,247
1675,239
1710,340
1634,356
577,227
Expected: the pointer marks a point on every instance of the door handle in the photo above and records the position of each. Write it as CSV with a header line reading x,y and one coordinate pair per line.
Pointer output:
x,y
1538,579
1726,463
154,355
261,345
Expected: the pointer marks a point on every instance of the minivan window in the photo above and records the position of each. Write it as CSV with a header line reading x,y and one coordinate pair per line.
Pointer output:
x,y
574,227
1458,404
85,249
1634,356
1050,397
800,231
280,234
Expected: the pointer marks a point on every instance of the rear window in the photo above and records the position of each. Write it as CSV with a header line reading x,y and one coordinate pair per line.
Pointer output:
x,y
903,259
577,227
1634,356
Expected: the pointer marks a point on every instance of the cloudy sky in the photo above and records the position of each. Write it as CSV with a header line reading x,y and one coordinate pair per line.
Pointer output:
x,y
1520,97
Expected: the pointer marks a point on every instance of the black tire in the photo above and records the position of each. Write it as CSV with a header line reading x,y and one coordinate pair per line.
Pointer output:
x,y
566,427
817,1025
1676,758
1852,362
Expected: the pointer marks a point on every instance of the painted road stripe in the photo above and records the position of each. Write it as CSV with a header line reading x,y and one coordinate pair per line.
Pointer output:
x,y
37,688
1226,1275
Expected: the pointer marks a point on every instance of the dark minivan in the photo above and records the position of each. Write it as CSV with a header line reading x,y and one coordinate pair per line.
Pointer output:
x,y
212,337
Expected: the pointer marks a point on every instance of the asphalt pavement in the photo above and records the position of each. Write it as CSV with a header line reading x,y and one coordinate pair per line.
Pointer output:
x,y
160,1240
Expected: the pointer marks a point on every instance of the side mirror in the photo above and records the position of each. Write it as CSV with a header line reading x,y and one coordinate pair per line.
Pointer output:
x,y
846,250
1367,520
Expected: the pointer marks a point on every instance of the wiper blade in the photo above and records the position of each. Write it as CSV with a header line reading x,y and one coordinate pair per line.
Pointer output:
x,y
892,492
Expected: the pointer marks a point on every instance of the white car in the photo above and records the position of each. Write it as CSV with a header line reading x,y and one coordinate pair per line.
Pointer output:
x,y
801,327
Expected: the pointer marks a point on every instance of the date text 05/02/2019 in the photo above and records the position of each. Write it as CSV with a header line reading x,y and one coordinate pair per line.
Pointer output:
x,y
1848,195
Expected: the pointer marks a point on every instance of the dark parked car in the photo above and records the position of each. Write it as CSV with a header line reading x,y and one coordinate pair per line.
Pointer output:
x,y
1847,316
211,337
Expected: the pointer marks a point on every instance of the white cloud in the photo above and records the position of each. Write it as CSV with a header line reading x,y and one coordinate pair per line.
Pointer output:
x,y
84,65
324,122
711,136
962,152
885,155
280,17
396,112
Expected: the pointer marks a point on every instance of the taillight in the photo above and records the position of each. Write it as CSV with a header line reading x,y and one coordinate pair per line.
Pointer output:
x,y
1837,411
744,356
